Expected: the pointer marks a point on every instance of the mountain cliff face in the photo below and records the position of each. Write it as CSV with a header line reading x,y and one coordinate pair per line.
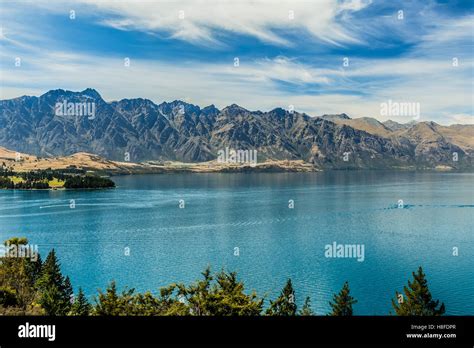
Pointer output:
x,y
185,132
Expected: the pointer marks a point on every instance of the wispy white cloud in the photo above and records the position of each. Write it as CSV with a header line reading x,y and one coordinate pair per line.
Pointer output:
x,y
201,21
353,5
451,30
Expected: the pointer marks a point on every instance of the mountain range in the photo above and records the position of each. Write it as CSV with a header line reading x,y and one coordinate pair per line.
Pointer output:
x,y
179,131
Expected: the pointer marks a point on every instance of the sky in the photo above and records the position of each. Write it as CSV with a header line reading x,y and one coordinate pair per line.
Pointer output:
x,y
316,56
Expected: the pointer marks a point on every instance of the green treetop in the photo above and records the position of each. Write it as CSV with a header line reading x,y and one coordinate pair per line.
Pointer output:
x,y
285,304
417,299
55,290
342,302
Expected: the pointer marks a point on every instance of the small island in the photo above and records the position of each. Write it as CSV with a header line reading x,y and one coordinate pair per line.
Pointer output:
x,y
52,179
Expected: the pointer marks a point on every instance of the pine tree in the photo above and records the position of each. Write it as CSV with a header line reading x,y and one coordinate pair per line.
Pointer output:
x,y
306,309
113,303
17,275
285,304
81,306
35,269
67,289
227,297
342,302
417,299
54,290
220,295
108,303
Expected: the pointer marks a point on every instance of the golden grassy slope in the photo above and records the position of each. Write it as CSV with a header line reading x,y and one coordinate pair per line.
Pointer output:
x,y
87,161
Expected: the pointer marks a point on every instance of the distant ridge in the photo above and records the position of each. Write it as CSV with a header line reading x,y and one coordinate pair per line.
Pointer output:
x,y
179,131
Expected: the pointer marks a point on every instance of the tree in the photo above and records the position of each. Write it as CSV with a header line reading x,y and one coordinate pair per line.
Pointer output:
x,y
225,296
169,304
34,269
417,299
17,275
80,307
76,182
306,309
54,290
67,289
113,303
342,302
8,297
285,304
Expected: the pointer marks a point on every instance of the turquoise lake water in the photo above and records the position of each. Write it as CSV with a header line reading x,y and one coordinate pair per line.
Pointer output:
x,y
250,212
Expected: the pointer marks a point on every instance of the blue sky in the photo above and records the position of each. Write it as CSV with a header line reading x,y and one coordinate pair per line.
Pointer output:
x,y
289,52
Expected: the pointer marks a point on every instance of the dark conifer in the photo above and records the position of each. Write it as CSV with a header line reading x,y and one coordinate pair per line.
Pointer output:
x,y
285,304
342,302
81,306
54,290
417,299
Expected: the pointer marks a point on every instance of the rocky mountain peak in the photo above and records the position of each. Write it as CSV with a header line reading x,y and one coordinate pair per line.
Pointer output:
x,y
90,92
210,110
333,117
234,110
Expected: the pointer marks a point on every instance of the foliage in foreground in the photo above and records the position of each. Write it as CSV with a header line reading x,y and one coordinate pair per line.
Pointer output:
x,y
417,300
342,302
31,287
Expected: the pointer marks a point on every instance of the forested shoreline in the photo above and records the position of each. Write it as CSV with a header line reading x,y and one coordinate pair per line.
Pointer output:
x,y
51,179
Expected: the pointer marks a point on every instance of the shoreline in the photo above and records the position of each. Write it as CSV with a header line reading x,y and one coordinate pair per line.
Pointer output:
x,y
192,172
58,189
264,167
90,163
245,170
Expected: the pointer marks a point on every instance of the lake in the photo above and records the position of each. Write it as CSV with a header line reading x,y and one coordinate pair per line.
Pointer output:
x,y
175,225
